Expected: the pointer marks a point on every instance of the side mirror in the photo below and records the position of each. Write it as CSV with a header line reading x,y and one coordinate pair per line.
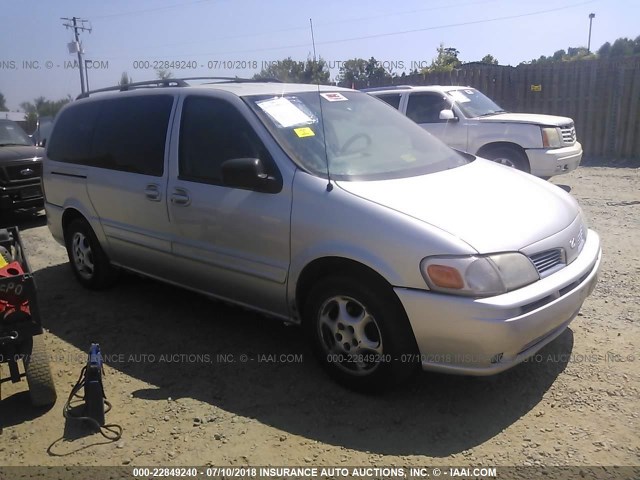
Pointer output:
x,y
448,115
250,174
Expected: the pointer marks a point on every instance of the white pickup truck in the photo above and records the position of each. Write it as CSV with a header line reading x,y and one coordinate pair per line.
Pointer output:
x,y
467,120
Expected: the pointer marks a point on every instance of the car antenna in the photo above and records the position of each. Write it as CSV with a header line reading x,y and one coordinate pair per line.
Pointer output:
x,y
324,136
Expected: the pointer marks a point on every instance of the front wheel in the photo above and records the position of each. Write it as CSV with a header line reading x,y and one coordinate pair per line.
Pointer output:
x,y
88,261
508,156
360,333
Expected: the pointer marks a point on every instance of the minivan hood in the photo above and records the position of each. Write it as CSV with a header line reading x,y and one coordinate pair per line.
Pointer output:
x,y
10,153
533,118
491,207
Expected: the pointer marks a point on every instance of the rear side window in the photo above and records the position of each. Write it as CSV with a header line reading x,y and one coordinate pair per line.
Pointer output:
x,y
131,133
127,134
71,138
426,107
212,132
391,99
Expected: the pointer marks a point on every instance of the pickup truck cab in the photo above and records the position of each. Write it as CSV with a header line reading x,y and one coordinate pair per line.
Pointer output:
x,y
467,120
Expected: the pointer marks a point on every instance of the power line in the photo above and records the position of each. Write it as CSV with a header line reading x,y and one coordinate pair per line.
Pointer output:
x,y
461,24
337,22
389,34
147,10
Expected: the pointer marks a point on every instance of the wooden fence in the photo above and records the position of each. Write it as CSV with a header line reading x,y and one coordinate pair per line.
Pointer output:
x,y
601,96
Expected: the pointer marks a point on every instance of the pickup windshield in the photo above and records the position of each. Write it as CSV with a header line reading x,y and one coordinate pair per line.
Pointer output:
x,y
360,137
473,103
12,134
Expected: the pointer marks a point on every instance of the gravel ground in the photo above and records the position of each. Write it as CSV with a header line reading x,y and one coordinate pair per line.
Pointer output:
x,y
181,401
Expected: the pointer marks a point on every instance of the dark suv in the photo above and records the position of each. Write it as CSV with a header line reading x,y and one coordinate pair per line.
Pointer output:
x,y
20,169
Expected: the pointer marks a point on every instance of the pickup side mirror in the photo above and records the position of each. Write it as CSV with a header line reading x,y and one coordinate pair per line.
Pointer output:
x,y
249,174
448,115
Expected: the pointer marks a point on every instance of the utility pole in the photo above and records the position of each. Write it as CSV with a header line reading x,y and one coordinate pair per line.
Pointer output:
x,y
73,23
86,71
591,15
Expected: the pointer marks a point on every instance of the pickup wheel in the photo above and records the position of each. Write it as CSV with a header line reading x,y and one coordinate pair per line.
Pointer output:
x,y
509,156
88,261
360,333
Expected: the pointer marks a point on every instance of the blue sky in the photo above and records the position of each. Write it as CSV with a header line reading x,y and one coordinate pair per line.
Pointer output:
x,y
223,37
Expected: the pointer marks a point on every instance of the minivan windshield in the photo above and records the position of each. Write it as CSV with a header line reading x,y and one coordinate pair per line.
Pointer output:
x,y
473,103
12,134
361,137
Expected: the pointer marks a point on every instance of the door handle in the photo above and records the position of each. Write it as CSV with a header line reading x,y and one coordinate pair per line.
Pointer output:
x,y
180,197
152,192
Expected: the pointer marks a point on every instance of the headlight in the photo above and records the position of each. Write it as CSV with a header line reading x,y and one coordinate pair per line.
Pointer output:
x,y
551,137
478,275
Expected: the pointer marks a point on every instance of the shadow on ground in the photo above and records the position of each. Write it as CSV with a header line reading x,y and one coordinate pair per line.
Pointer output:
x,y
435,415
23,219
17,408
588,161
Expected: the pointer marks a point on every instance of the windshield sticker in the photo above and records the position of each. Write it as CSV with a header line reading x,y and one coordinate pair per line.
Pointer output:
x,y
459,97
469,92
285,113
408,157
334,97
304,132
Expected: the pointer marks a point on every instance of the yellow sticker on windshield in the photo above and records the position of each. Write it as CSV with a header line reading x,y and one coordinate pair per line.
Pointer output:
x,y
407,157
304,132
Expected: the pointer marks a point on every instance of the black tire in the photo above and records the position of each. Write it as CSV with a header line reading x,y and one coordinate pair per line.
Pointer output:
x,y
374,309
36,365
87,259
509,156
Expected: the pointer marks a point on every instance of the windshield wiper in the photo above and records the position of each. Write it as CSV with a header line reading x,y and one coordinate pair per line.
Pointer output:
x,y
492,113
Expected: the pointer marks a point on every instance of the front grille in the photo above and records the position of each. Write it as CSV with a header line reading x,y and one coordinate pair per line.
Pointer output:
x,y
23,171
568,134
545,261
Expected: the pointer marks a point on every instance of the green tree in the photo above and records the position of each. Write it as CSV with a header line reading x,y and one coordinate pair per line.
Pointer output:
x,y
164,74
604,50
376,73
316,72
352,72
446,60
125,79
622,47
578,53
541,59
489,59
287,70
361,72
41,107
3,104
294,71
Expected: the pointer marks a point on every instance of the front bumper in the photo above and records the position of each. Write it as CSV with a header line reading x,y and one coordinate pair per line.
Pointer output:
x,y
21,196
489,335
547,162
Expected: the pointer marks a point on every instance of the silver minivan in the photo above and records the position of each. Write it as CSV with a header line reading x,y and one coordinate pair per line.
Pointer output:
x,y
323,207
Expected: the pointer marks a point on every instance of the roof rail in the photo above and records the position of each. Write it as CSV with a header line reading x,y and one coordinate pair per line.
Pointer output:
x,y
171,82
390,87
